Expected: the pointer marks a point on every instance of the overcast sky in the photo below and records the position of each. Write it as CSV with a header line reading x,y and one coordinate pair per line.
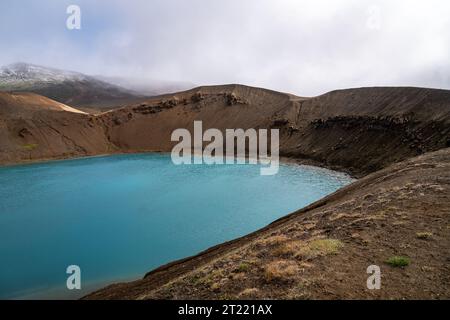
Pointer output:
x,y
302,47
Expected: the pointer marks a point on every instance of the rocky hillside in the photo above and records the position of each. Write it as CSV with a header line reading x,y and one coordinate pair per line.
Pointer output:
x,y
357,130
34,127
363,130
397,218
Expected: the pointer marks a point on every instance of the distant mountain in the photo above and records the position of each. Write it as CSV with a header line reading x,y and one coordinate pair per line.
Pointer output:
x,y
71,88
148,86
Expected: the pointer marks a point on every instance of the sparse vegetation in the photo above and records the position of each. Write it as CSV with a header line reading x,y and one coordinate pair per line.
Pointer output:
x,y
308,250
215,286
424,235
207,279
194,279
249,293
243,267
273,240
326,246
287,249
280,270
398,261
319,247
30,146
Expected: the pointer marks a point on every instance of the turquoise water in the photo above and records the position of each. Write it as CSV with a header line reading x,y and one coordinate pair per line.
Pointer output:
x,y
118,217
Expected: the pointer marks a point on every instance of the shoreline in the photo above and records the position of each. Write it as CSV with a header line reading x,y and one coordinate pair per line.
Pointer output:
x,y
205,256
174,271
282,160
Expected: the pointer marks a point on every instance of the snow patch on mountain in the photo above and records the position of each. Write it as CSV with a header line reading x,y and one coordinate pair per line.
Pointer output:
x,y
18,73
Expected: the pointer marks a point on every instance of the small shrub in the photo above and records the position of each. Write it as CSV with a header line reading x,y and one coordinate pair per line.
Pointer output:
x,y
424,235
398,261
215,286
201,279
281,270
273,240
249,293
287,249
319,247
243,267
326,246
30,146
194,279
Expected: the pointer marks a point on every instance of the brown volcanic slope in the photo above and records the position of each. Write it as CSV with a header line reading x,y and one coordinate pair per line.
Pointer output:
x,y
357,130
323,251
34,127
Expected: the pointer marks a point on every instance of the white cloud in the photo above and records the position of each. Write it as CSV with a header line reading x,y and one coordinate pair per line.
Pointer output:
x,y
304,47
